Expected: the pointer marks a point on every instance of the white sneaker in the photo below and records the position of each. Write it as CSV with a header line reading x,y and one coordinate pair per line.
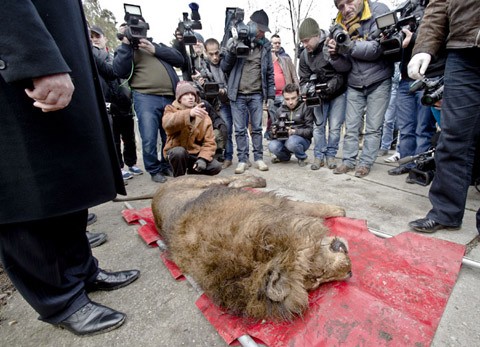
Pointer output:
x,y
260,164
241,167
393,159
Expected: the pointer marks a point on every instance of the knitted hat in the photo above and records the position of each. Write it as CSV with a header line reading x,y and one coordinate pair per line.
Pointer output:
x,y
199,37
308,28
261,19
184,87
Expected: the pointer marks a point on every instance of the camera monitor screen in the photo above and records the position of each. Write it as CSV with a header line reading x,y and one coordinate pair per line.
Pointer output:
x,y
386,20
133,9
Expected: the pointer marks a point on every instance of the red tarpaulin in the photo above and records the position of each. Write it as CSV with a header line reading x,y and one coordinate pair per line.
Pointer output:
x,y
396,296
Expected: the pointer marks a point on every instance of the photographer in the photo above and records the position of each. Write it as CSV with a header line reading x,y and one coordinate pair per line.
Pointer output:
x,y
369,82
190,143
415,121
315,68
295,120
250,83
456,22
152,80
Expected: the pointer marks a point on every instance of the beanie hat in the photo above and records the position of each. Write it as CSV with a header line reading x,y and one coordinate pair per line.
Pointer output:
x,y
308,28
199,37
184,87
261,19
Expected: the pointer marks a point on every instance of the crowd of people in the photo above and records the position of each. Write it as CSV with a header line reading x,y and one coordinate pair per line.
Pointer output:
x,y
56,130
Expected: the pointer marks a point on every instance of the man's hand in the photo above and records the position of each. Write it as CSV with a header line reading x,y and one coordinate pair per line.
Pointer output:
x,y
332,46
408,37
146,46
199,111
198,77
200,165
51,93
418,65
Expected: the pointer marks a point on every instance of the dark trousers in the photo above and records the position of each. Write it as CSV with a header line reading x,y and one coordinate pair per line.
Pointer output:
x,y
455,152
123,131
49,261
181,162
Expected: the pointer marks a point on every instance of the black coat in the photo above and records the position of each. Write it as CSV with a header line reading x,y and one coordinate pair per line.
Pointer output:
x,y
57,162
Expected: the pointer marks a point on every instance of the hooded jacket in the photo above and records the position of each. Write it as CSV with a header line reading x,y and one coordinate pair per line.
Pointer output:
x,y
195,135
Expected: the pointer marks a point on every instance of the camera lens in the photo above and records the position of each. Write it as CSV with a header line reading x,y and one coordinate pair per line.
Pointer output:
x,y
340,37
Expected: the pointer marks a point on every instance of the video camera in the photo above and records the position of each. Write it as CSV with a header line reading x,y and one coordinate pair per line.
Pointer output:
x,y
432,90
210,88
312,90
187,25
281,127
341,37
136,25
243,35
390,26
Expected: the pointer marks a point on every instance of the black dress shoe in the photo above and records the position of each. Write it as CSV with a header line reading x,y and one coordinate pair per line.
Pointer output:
x,y
427,225
399,170
159,178
167,172
112,280
91,218
96,239
93,319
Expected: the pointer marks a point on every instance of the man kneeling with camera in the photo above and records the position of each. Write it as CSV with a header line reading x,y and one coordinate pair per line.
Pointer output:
x,y
292,128
190,143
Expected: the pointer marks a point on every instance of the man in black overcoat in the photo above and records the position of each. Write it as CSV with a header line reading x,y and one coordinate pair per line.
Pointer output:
x,y
54,130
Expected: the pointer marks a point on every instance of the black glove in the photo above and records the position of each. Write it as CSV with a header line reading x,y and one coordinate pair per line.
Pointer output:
x,y
200,165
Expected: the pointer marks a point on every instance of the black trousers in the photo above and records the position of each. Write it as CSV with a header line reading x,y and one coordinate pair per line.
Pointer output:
x,y
49,261
181,162
123,131
455,152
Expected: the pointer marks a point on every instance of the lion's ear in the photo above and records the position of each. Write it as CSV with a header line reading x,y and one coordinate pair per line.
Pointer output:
x,y
277,285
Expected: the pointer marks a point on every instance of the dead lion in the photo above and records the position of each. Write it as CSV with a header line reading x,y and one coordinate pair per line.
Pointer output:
x,y
253,253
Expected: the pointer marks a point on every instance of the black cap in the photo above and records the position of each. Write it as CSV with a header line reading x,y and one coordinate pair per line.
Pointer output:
x,y
97,29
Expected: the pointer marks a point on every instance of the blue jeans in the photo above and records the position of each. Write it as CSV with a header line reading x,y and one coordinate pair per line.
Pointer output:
x,y
376,102
248,105
333,112
226,114
149,109
454,155
283,149
415,122
390,120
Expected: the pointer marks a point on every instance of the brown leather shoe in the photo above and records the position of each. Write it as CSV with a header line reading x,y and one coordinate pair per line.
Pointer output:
x,y
226,163
342,169
362,171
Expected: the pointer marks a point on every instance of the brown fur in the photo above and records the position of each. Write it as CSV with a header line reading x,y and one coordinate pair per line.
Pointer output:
x,y
254,253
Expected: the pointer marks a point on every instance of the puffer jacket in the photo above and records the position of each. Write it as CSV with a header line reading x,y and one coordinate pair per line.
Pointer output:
x,y
302,117
233,66
196,135
366,59
457,21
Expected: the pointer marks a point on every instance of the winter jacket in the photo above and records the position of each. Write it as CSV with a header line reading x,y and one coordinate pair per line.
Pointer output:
x,y
366,59
288,69
303,119
315,63
455,21
233,66
195,135
168,56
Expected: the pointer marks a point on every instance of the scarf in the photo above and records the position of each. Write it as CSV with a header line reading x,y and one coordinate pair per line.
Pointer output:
x,y
354,24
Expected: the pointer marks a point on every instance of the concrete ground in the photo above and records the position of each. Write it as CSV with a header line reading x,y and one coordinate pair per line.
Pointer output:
x,y
161,311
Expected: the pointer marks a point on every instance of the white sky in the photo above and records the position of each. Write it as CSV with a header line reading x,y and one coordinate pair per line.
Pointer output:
x,y
163,16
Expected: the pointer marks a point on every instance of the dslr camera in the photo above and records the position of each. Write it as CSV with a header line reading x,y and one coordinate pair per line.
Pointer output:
x,y
432,90
187,25
390,25
312,91
341,37
136,26
281,127
243,35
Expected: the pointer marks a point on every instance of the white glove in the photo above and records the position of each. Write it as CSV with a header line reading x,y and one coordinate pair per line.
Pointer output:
x,y
418,65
